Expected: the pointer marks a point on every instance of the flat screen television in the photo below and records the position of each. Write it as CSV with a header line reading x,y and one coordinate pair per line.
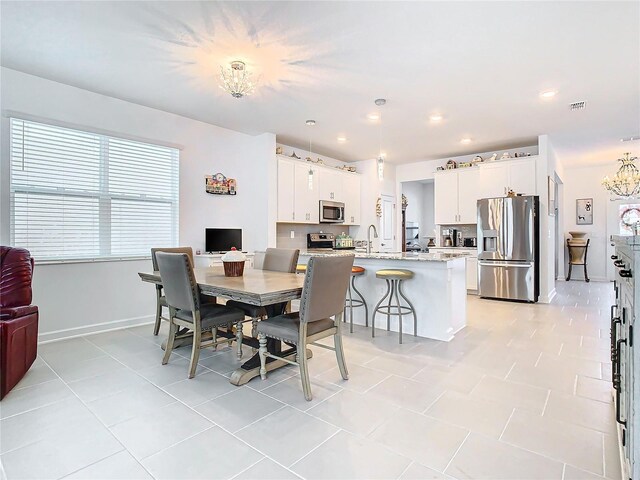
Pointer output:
x,y
222,239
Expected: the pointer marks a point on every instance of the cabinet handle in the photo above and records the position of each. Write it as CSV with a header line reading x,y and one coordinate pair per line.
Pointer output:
x,y
619,380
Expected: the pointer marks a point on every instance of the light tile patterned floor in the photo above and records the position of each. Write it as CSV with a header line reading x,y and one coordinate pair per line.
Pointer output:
x,y
523,392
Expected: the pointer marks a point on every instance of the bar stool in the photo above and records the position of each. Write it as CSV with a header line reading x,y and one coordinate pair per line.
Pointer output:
x,y
301,268
352,303
394,279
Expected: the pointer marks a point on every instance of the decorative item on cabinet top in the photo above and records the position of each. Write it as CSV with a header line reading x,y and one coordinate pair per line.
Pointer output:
x,y
451,164
218,184
379,207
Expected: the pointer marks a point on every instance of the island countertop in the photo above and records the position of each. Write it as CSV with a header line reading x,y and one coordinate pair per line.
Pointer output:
x,y
411,256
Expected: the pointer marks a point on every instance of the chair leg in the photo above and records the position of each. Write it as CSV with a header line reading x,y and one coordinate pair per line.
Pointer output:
x,y
262,339
304,371
366,309
214,333
375,310
342,364
169,347
413,310
230,330
195,352
239,338
156,327
254,332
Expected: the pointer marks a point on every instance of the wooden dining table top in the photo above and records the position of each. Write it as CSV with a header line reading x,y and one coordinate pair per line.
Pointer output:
x,y
255,287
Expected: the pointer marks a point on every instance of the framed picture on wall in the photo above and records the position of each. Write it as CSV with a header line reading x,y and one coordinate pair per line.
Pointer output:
x,y
551,185
584,211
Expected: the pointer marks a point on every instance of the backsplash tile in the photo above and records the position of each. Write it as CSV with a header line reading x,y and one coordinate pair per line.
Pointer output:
x,y
283,233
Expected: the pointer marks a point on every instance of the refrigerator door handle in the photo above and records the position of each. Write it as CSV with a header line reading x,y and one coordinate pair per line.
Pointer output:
x,y
504,264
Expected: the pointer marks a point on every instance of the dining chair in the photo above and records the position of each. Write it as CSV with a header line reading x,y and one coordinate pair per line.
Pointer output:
x,y
275,260
323,294
186,308
161,301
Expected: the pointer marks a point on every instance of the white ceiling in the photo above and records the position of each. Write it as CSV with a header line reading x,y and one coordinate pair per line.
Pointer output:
x,y
480,64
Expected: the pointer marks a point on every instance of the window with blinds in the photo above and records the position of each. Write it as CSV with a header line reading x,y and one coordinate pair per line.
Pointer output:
x,y
82,195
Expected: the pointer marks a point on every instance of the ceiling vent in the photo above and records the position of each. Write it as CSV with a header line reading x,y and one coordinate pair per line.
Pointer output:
x,y
630,139
577,106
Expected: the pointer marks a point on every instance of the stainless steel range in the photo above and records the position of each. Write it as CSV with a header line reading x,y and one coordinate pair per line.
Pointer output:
x,y
321,241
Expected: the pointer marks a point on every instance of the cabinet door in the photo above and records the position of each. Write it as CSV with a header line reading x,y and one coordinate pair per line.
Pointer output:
x,y
522,176
306,207
286,190
472,273
351,189
468,195
446,198
330,184
494,179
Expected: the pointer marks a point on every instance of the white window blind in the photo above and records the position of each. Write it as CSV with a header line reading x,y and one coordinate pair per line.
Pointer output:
x,y
82,195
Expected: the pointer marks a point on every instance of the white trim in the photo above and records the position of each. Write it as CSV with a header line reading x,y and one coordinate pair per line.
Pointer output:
x,y
91,260
85,128
68,333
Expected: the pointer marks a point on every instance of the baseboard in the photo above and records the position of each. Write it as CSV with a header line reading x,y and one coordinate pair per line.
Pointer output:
x,y
94,328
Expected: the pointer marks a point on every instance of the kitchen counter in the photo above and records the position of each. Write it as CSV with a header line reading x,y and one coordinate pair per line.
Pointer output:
x,y
409,256
437,291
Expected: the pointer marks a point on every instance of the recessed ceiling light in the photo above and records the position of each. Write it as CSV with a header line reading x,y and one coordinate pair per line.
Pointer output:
x,y
373,116
465,140
342,139
548,93
310,122
436,118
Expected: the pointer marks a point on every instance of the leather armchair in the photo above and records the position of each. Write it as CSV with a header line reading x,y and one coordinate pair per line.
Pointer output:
x,y
18,318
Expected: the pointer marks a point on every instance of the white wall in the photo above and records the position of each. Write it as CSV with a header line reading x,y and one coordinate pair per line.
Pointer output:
x,y
73,297
585,182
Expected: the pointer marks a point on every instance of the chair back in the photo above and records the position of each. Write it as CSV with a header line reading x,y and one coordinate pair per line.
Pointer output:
x,y
258,260
16,272
281,260
325,287
187,250
179,281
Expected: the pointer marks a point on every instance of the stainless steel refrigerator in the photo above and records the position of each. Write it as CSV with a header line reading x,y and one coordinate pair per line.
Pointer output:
x,y
508,250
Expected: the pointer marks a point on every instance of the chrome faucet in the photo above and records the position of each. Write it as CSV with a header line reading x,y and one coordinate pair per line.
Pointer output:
x,y
375,235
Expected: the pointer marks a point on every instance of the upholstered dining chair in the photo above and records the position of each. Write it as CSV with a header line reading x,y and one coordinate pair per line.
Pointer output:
x,y
186,308
323,294
275,260
161,301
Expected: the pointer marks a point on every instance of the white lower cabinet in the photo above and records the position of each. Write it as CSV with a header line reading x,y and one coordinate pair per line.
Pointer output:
x,y
471,262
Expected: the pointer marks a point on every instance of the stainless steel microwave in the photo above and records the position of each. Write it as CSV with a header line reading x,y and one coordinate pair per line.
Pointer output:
x,y
331,212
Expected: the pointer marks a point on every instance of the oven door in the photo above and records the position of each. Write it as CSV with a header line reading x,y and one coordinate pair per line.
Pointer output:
x,y
331,212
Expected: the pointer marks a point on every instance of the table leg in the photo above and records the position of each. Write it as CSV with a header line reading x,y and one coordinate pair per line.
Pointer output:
x,y
251,368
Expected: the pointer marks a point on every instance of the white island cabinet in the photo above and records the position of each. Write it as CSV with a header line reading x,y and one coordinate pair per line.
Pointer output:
x,y
437,291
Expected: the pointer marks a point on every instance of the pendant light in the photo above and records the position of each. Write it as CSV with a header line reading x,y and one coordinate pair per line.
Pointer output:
x,y
310,123
380,161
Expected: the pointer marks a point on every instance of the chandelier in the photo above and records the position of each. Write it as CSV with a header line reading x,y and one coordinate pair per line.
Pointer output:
x,y
236,80
626,182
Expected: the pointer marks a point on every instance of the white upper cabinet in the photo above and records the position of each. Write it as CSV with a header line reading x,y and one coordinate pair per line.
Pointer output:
x,y
522,176
468,195
299,193
286,187
445,198
518,175
351,194
455,196
331,184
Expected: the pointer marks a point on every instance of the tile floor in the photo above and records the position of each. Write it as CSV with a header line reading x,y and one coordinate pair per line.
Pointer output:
x,y
521,393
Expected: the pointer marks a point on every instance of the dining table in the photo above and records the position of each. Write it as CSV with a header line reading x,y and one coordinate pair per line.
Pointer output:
x,y
269,289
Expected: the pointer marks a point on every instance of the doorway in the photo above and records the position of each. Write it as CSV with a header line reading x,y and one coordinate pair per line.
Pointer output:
x,y
387,226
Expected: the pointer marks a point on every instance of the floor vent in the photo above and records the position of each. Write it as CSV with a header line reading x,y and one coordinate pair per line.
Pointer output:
x,y
577,105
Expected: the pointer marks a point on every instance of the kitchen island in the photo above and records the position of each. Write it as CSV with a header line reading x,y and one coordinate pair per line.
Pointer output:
x,y
437,290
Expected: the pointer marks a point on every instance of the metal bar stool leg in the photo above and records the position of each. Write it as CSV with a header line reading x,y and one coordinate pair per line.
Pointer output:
x,y
366,309
350,307
396,283
413,310
375,310
389,305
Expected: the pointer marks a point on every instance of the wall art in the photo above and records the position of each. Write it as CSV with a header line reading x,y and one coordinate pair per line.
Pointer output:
x,y
218,184
584,211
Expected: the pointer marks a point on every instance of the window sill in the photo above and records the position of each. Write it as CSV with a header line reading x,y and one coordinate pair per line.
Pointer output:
x,y
91,260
